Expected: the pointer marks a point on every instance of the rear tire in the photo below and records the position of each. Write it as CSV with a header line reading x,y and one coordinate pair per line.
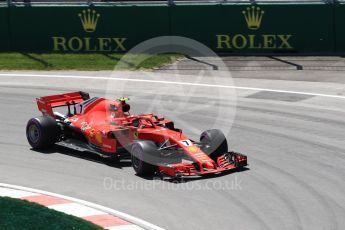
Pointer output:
x,y
42,132
215,143
143,154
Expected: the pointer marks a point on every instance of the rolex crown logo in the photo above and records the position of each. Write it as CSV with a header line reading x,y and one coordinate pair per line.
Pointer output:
x,y
253,16
89,19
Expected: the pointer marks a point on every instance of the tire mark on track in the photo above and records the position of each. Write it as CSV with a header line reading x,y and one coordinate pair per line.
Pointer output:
x,y
335,150
255,216
332,219
283,197
304,117
338,151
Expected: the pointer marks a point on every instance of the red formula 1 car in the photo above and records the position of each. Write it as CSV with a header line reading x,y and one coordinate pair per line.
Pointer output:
x,y
105,127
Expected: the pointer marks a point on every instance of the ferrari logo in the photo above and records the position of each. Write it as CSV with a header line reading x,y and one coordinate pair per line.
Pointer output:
x,y
99,137
136,135
92,133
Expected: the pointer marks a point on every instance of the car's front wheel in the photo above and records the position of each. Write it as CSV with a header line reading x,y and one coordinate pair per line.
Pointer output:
x,y
143,155
42,132
214,143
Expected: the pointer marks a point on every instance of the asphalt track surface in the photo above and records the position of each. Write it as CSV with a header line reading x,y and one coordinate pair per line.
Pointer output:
x,y
295,144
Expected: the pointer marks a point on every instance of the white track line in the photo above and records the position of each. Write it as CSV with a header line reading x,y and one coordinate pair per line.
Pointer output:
x,y
129,218
173,83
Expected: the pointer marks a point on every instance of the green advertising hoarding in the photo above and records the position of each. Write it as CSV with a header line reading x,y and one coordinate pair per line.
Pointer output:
x,y
226,28
339,20
263,28
84,29
4,38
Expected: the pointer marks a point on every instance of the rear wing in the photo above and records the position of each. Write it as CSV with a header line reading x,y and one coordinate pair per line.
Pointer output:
x,y
47,103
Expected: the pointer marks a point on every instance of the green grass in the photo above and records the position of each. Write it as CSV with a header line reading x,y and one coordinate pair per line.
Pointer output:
x,y
19,214
57,61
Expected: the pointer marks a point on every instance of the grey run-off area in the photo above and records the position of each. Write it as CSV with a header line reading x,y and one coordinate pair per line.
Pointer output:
x,y
296,151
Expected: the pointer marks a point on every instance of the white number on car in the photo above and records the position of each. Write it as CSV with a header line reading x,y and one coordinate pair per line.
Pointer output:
x,y
186,143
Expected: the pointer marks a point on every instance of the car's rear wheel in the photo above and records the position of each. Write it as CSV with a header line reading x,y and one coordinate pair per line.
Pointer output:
x,y
42,132
143,155
214,143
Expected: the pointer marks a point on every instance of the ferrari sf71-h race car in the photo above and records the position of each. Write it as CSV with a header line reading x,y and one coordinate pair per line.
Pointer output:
x,y
106,127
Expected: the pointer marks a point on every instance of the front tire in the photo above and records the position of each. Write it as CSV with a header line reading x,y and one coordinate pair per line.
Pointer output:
x,y
215,143
42,132
143,155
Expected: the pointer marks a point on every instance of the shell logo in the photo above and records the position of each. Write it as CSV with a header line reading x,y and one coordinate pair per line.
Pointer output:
x,y
193,149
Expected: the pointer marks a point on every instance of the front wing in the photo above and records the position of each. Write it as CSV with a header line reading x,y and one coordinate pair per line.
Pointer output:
x,y
227,162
